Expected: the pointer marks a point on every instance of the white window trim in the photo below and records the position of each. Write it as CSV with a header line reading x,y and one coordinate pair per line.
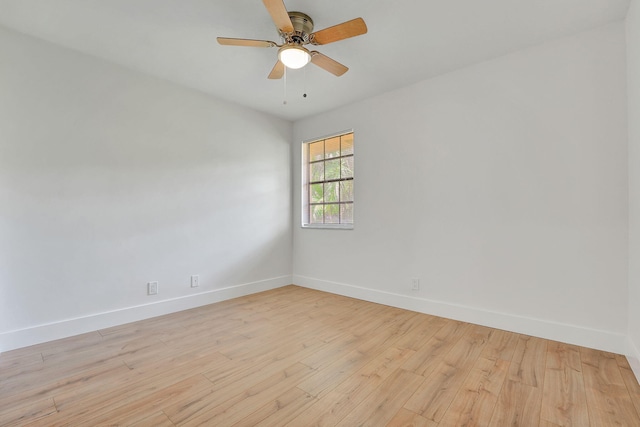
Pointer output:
x,y
304,209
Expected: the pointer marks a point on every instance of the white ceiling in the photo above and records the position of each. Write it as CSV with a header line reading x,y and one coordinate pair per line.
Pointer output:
x,y
408,41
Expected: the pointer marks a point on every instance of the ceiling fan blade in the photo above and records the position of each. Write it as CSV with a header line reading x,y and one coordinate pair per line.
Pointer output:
x,y
332,66
279,14
245,42
355,27
278,71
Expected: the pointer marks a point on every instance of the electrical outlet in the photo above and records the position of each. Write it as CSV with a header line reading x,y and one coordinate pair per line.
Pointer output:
x,y
152,288
415,284
195,281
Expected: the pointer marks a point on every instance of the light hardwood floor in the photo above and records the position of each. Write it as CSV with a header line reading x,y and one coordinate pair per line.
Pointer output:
x,y
299,357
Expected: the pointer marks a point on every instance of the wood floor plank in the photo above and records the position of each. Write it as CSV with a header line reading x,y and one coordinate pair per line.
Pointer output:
x,y
50,373
127,412
280,411
273,342
325,379
379,407
564,400
158,419
26,412
300,357
136,386
76,343
406,418
337,347
223,390
518,405
233,377
418,330
478,395
528,361
81,383
501,345
236,373
608,399
17,361
561,356
630,380
341,367
239,406
432,399
194,405
339,402
427,357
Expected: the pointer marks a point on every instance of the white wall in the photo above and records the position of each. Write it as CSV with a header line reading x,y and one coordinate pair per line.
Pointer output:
x,y
110,179
502,187
633,91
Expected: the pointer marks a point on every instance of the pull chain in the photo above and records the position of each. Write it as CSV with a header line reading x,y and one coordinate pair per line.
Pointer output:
x,y
304,94
284,102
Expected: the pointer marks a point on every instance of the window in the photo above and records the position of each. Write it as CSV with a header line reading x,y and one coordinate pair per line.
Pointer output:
x,y
327,177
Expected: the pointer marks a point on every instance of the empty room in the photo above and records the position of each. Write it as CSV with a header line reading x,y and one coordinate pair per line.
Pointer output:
x,y
335,213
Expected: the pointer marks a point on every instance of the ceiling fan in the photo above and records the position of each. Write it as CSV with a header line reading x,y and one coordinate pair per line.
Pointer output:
x,y
295,29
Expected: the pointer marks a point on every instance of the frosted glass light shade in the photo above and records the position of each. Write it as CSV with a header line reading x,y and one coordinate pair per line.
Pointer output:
x,y
294,56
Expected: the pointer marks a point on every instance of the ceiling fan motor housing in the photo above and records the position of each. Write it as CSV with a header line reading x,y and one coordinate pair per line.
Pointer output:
x,y
302,28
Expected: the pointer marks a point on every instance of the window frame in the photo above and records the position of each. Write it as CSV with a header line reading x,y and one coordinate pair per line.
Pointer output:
x,y
305,196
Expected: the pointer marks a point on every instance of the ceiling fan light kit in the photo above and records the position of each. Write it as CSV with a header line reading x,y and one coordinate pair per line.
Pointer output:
x,y
296,31
294,56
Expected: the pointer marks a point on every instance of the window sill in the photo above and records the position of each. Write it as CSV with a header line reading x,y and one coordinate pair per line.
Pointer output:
x,y
329,226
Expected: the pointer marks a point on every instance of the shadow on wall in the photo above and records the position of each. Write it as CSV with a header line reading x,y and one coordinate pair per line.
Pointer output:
x,y
89,252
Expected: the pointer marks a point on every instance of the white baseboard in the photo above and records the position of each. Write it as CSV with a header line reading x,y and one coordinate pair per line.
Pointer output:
x,y
571,334
592,338
633,356
69,327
